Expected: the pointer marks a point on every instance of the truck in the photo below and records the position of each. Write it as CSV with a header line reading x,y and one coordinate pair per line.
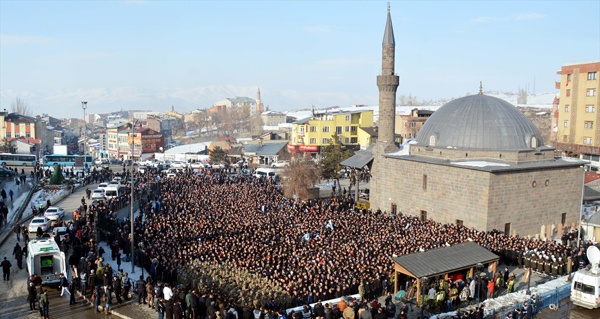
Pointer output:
x,y
45,259
585,286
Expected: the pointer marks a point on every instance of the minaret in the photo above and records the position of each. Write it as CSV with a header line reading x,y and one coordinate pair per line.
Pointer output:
x,y
388,84
259,105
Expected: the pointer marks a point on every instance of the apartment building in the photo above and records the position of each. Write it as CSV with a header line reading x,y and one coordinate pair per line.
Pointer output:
x,y
576,128
310,134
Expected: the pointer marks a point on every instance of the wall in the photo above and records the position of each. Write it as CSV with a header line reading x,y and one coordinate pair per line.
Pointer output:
x,y
480,199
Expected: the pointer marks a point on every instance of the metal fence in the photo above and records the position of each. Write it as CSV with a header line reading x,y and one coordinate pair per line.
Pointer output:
x,y
544,300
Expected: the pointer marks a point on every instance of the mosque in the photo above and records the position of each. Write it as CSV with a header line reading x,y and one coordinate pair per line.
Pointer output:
x,y
477,162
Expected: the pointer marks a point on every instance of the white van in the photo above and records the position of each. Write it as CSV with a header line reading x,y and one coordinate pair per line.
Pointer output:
x,y
265,172
45,259
585,287
114,191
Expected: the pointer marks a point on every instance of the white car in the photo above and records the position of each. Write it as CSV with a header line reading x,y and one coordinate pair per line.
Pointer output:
x,y
280,164
102,185
54,213
179,164
197,165
171,175
117,179
39,222
98,193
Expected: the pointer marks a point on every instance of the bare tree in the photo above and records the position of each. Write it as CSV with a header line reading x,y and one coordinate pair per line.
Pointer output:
x,y
409,100
299,177
19,106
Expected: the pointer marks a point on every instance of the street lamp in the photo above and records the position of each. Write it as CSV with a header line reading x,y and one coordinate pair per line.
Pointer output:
x,y
424,281
131,199
84,106
581,208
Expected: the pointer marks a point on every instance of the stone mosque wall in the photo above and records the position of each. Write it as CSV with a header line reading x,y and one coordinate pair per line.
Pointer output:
x,y
479,199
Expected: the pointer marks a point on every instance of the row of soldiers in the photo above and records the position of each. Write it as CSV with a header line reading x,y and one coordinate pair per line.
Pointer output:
x,y
251,290
544,264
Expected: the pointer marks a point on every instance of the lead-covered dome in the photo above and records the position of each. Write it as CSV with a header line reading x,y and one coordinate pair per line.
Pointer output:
x,y
479,122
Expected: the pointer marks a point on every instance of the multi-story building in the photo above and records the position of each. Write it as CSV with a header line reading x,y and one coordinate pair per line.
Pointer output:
x,y
408,125
310,134
272,118
577,128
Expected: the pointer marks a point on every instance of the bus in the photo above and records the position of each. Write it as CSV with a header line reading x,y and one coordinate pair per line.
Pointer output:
x,y
7,159
68,160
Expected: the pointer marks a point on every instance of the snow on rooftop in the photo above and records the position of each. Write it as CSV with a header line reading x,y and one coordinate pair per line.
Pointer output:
x,y
479,164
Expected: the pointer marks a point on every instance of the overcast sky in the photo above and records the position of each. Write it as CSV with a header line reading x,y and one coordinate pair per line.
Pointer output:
x,y
190,54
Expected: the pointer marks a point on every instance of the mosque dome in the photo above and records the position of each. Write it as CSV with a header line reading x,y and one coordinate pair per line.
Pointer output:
x,y
479,122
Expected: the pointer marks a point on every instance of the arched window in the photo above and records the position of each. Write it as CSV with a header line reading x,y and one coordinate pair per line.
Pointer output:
x,y
534,142
432,140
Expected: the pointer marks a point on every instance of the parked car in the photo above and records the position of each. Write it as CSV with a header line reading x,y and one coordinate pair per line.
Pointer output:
x,y
219,165
179,164
61,232
103,185
239,164
5,172
98,193
39,222
196,165
54,213
280,164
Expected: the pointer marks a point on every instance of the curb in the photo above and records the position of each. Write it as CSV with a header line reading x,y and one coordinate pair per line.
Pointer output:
x,y
91,304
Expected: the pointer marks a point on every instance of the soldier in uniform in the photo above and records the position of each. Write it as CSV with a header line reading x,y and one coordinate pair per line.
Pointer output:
x,y
562,267
527,260
534,262
547,266
554,267
540,265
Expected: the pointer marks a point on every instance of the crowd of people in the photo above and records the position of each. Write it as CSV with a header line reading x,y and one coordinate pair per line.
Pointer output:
x,y
313,250
221,245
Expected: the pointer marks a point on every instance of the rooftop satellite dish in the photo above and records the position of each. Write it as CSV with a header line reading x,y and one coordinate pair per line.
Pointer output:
x,y
593,255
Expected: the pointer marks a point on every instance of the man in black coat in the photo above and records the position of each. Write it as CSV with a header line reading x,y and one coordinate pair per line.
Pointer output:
x,y
6,269
18,253
140,288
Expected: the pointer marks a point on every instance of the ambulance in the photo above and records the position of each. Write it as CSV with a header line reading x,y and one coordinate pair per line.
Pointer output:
x,y
45,259
585,287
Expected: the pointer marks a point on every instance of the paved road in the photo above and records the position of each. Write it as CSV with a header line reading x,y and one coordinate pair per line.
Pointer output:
x,y
13,293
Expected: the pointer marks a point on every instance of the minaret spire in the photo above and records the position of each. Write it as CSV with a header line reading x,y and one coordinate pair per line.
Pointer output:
x,y
388,84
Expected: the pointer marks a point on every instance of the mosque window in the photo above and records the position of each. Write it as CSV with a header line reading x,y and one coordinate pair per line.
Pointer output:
x,y
563,218
534,142
432,140
394,208
423,215
507,229
459,223
534,184
547,182
424,182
